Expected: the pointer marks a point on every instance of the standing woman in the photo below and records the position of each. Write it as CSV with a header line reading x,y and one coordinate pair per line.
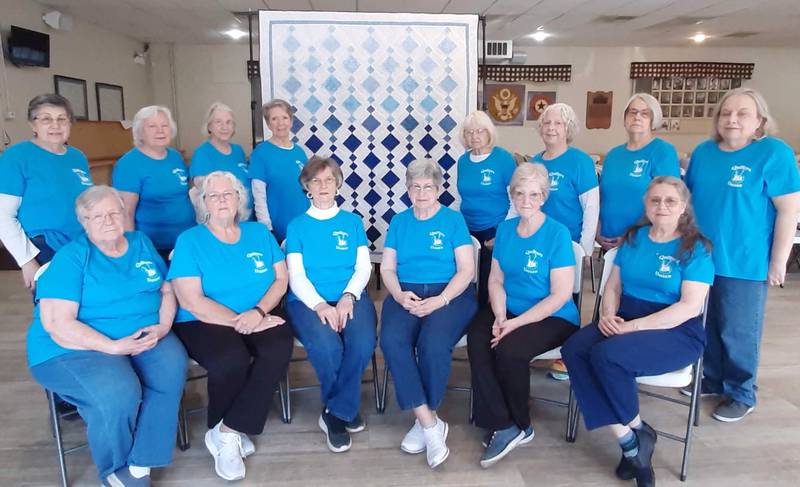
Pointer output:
x,y
484,173
629,168
153,182
328,306
746,189
275,167
218,153
39,181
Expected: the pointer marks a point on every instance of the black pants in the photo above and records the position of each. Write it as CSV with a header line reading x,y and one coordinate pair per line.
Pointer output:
x,y
501,376
484,264
243,370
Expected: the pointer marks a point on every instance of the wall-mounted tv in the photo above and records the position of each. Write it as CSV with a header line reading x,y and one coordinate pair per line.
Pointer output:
x,y
28,47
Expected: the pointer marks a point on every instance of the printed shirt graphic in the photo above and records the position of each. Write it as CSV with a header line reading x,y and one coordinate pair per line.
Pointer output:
x,y
426,248
571,174
329,250
526,264
280,170
48,185
236,275
207,159
163,210
731,195
626,175
116,295
652,271
483,187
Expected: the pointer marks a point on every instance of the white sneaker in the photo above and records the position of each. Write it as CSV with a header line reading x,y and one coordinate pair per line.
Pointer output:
x,y
226,448
414,441
248,448
436,449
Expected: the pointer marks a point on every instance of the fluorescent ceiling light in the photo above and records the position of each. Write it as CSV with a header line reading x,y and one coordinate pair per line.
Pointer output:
x,y
540,35
235,34
699,37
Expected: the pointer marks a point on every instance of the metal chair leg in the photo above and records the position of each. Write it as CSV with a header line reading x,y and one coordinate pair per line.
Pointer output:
x,y
383,389
375,385
282,397
183,426
591,272
471,407
56,427
288,417
690,423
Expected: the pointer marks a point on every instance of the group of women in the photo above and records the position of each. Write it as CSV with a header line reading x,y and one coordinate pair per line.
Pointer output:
x,y
166,250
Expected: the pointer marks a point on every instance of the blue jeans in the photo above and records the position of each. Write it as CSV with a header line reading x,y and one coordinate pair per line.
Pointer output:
x,y
734,325
130,404
418,351
338,358
603,370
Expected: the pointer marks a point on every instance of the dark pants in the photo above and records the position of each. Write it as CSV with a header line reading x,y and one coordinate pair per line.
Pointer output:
x,y
243,370
484,264
164,253
46,252
501,375
603,370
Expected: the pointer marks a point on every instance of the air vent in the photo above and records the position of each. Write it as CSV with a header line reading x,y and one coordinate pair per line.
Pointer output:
x,y
614,19
741,35
498,50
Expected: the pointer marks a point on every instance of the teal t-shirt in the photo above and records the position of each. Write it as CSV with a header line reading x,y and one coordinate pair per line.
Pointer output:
x,y
207,159
426,248
571,174
48,184
526,264
164,209
329,250
623,183
483,187
235,275
279,169
732,192
654,271
116,295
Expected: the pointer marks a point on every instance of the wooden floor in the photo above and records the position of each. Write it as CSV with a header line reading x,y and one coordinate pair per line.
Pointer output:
x,y
763,449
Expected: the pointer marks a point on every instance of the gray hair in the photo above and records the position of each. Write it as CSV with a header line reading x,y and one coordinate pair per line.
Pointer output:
x,y
652,105
217,105
568,116
424,169
768,125
531,171
277,103
316,165
242,213
49,99
93,195
478,120
148,112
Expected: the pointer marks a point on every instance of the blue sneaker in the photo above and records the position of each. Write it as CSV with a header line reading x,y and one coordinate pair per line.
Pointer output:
x,y
529,434
123,478
502,442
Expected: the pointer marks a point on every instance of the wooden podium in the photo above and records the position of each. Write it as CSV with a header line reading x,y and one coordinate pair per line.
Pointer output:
x,y
103,143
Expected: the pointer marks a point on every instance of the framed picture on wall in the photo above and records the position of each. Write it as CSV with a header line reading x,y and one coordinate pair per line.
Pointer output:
x,y
110,102
74,90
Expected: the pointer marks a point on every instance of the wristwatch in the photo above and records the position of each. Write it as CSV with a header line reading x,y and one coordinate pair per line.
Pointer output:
x,y
351,296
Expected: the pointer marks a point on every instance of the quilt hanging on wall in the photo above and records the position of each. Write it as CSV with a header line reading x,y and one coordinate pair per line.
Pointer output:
x,y
375,91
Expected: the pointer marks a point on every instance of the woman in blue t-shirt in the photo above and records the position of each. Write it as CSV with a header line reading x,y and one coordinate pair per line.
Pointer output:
x,y
330,310
484,173
746,189
230,276
100,339
532,311
39,181
428,265
649,324
629,168
153,181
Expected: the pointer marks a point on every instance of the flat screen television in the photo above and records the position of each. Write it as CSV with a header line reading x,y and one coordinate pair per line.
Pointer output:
x,y
28,47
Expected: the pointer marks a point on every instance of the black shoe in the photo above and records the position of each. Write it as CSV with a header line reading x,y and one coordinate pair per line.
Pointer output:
x,y
642,463
625,470
356,425
705,391
335,431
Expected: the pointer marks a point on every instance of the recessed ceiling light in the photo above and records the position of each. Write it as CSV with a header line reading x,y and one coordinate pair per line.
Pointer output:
x,y
541,27
235,34
540,35
699,37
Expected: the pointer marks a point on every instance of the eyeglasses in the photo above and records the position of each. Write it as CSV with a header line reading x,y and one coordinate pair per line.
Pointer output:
x,y
656,201
475,132
223,123
537,196
428,188
224,196
48,121
632,112
99,220
322,182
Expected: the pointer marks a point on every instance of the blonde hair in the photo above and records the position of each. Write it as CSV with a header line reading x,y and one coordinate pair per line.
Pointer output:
x,y
568,116
768,125
531,171
478,120
148,112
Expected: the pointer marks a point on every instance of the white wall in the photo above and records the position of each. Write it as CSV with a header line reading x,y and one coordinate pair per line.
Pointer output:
x,y
87,52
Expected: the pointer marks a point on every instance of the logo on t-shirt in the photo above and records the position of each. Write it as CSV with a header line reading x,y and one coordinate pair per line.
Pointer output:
x,y
181,174
665,269
737,176
150,270
436,240
300,164
259,266
243,167
532,263
555,180
638,168
85,179
341,239
486,176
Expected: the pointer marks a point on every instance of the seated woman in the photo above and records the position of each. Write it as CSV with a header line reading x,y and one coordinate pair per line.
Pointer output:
x,y
331,313
530,292
648,325
100,339
427,268
229,276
